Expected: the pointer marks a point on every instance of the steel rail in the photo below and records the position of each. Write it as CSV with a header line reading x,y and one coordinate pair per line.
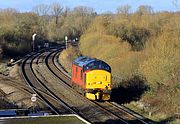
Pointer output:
x,y
120,119
140,118
51,93
27,80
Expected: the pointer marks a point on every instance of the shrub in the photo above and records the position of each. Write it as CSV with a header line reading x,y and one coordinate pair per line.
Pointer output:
x,y
133,35
117,54
67,56
101,46
163,61
126,65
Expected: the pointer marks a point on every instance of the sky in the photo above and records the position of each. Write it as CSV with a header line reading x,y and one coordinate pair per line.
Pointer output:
x,y
100,6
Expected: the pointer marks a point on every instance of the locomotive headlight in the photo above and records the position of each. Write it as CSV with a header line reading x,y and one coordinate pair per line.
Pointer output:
x,y
99,82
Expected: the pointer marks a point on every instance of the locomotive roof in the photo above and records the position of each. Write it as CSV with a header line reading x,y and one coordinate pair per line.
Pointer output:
x,y
83,60
91,63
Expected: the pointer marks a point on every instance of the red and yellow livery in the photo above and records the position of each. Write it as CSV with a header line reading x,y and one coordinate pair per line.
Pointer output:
x,y
92,77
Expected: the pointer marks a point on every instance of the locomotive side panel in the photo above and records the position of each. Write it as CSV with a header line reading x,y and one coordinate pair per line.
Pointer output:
x,y
77,76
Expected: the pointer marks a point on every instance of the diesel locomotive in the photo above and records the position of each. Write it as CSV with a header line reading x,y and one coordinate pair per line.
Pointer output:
x,y
92,78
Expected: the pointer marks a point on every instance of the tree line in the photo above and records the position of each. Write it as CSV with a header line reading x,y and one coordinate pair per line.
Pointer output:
x,y
54,21
141,44
50,22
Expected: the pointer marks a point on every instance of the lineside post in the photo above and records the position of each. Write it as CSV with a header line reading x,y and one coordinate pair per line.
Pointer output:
x,y
33,38
66,39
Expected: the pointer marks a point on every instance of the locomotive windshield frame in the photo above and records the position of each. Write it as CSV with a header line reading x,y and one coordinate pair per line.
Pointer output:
x,y
98,64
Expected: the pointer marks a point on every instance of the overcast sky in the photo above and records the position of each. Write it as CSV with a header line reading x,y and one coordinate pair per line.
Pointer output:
x,y
98,5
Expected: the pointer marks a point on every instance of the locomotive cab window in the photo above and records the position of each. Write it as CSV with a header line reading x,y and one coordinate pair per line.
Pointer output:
x,y
97,65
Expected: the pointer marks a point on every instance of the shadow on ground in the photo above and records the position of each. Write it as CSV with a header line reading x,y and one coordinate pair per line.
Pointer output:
x,y
130,90
170,120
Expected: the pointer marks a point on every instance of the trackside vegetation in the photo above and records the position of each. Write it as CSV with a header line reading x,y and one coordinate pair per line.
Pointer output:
x,y
51,23
142,47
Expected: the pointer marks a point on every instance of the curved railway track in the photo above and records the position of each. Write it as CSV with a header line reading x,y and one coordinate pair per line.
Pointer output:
x,y
36,85
43,74
125,114
81,105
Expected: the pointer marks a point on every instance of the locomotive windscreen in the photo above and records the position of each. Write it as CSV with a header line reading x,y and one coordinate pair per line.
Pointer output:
x,y
97,65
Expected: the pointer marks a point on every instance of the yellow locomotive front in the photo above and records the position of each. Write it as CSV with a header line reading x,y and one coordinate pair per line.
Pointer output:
x,y
98,85
98,80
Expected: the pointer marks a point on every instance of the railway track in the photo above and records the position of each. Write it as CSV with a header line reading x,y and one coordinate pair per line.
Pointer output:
x,y
123,113
80,104
24,88
42,92
120,112
18,86
53,87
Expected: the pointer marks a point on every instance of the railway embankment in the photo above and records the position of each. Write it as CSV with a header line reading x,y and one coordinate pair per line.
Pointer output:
x,y
133,93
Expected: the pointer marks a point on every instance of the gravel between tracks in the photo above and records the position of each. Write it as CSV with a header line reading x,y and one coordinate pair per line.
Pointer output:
x,y
81,104
11,93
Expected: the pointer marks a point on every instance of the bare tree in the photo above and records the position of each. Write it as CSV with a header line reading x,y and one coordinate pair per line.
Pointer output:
x,y
41,9
84,15
83,11
175,3
8,11
57,10
144,9
123,9
66,11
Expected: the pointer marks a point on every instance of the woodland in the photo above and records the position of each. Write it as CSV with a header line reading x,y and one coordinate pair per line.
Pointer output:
x,y
142,47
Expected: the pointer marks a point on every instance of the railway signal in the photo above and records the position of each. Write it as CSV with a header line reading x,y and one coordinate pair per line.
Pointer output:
x,y
66,39
33,38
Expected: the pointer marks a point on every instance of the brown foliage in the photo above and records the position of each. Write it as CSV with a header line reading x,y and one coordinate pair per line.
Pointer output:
x,y
67,56
116,39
